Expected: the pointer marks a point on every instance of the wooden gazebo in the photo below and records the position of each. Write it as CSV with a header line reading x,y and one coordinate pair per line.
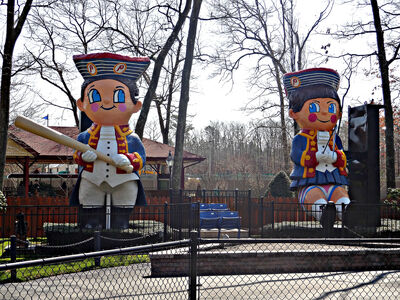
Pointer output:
x,y
26,149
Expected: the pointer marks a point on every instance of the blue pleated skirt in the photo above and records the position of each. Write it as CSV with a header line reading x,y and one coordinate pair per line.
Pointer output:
x,y
320,178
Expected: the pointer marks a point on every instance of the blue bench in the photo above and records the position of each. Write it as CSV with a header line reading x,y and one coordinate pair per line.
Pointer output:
x,y
213,206
223,219
209,219
218,206
229,220
204,206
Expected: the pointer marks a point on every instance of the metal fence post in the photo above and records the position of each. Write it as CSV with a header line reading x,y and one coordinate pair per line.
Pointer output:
x,y
273,214
203,196
97,247
165,220
236,198
13,256
261,217
193,265
180,207
197,216
343,209
191,214
249,211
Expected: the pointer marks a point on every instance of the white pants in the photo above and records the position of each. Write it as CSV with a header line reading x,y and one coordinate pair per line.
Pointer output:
x,y
122,195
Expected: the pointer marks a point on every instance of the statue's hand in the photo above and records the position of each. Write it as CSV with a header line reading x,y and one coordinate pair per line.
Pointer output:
x,y
333,157
120,160
89,156
328,156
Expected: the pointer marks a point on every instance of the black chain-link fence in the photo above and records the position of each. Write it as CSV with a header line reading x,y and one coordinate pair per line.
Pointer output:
x,y
299,269
110,274
330,268
54,232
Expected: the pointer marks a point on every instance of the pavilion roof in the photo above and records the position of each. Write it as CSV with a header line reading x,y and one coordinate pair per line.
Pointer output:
x,y
46,151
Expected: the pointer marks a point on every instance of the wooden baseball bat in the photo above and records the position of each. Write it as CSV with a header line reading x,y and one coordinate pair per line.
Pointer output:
x,y
50,134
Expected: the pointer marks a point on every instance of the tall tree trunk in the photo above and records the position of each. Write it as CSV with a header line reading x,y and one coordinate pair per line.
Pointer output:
x,y
384,70
12,35
284,140
165,128
141,122
184,99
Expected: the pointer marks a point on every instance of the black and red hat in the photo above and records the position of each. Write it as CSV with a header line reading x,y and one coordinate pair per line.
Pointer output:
x,y
109,65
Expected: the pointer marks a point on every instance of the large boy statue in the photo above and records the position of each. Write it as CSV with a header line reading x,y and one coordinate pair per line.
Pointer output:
x,y
108,99
320,174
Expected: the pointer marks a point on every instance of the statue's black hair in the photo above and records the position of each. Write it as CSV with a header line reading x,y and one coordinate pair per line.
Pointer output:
x,y
298,97
131,84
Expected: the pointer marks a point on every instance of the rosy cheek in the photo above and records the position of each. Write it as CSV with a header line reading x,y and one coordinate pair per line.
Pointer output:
x,y
333,119
122,107
94,107
312,117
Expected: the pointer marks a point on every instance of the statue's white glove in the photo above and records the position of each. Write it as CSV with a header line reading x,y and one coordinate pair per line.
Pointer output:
x,y
120,160
89,156
328,157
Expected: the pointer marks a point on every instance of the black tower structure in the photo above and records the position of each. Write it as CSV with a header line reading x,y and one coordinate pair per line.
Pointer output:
x,y
84,122
363,164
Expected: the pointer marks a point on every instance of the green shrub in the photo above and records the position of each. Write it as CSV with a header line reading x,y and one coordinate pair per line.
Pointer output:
x,y
3,202
393,198
279,186
393,194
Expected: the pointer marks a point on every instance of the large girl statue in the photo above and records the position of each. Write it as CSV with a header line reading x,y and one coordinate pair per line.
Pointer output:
x,y
108,97
320,172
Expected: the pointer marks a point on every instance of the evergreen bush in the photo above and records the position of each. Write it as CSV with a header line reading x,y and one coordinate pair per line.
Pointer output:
x,y
393,198
3,202
279,186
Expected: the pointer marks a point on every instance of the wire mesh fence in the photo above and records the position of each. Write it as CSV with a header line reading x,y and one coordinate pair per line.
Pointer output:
x,y
50,230
122,273
195,268
300,269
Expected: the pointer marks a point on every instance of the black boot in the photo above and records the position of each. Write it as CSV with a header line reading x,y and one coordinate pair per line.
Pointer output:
x,y
120,217
328,216
91,218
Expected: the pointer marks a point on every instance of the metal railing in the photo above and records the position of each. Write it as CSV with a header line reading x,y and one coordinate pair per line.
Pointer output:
x,y
46,229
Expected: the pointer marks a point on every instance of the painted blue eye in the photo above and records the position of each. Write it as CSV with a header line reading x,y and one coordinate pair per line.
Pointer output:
x,y
119,96
332,108
314,107
94,96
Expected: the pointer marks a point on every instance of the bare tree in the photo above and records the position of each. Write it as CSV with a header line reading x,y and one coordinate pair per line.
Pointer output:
x,y
164,100
13,30
384,70
158,64
238,155
383,24
184,99
141,28
67,28
264,35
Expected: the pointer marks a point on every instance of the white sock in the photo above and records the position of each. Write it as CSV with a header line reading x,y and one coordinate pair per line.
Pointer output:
x,y
338,204
316,208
